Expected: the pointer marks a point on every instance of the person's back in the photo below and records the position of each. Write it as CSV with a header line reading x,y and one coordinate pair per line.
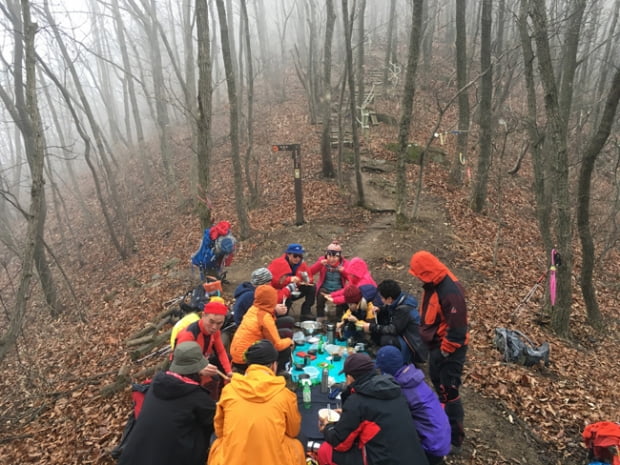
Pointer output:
x,y
176,420
375,421
257,417
244,296
429,418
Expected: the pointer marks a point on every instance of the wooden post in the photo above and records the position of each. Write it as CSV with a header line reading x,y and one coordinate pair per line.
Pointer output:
x,y
295,150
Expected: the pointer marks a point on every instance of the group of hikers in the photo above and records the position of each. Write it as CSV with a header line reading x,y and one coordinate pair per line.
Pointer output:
x,y
234,406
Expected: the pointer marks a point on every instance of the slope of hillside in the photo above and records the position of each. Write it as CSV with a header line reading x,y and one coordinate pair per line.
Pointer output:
x,y
54,411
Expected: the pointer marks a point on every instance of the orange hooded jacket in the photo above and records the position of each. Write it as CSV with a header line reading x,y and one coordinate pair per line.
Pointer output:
x,y
443,311
258,323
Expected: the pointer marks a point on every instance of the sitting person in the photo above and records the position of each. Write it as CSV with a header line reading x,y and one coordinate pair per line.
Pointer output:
x,y
244,298
375,425
206,332
359,311
176,419
398,323
357,273
428,415
330,268
260,323
257,418
292,276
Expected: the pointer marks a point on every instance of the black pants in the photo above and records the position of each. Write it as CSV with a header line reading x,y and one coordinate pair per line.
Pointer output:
x,y
308,293
445,374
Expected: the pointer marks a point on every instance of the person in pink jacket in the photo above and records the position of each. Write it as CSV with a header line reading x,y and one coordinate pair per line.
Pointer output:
x,y
330,268
357,273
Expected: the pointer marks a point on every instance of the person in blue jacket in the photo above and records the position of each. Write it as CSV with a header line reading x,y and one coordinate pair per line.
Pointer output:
x,y
429,418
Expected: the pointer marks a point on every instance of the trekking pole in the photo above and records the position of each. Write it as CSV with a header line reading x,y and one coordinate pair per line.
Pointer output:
x,y
161,351
528,296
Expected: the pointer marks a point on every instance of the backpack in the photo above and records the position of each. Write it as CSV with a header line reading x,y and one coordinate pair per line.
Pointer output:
x,y
200,295
516,347
138,393
216,249
603,442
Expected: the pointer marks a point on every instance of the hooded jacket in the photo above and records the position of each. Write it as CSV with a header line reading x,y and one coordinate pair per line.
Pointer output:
x,y
428,415
258,323
256,421
244,296
401,319
443,311
375,427
357,273
174,426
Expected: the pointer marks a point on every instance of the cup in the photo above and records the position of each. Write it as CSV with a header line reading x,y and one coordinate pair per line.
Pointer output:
x,y
328,415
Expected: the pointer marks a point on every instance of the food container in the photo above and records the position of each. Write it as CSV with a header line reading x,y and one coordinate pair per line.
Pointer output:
x,y
313,372
329,415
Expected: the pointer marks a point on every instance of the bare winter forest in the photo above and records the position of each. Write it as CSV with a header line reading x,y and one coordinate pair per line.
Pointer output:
x,y
484,131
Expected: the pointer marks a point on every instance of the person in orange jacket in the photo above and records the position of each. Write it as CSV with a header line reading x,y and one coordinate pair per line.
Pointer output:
x,y
260,323
257,419
443,327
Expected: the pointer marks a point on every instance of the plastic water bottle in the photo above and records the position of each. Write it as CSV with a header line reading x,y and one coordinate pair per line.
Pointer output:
x,y
320,347
306,393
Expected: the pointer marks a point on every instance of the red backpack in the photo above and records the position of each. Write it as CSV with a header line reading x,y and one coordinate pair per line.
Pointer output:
x,y
603,441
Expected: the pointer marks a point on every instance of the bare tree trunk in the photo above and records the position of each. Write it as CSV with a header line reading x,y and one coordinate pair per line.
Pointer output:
x,y
326,98
348,26
389,51
250,164
479,192
242,212
404,126
555,106
456,171
203,154
26,114
583,200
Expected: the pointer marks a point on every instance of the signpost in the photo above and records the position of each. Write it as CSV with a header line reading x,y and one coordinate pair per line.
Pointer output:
x,y
295,152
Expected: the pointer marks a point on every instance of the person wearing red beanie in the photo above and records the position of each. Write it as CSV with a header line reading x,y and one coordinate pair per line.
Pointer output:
x,y
206,332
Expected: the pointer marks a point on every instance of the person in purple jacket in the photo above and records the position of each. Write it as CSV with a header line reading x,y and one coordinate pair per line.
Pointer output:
x,y
429,418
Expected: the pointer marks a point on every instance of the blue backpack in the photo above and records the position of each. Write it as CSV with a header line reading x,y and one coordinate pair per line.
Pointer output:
x,y
214,254
204,257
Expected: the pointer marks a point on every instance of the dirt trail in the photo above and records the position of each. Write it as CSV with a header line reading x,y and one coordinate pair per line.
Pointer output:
x,y
493,435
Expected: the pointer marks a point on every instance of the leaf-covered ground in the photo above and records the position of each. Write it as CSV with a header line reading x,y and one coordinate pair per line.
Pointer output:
x,y
53,410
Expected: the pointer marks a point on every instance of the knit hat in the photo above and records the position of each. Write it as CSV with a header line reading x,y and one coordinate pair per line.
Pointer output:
x,y
352,294
188,358
217,298
335,246
295,248
261,353
215,308
358,364
261,276
389,360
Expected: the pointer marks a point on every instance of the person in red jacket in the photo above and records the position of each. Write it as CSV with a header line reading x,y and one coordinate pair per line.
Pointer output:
x,y
292,278
206,332
443,327
330,268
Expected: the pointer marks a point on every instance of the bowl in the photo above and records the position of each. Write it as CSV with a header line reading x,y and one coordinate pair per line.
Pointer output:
x,y
313,372
333,349
329,415
310,327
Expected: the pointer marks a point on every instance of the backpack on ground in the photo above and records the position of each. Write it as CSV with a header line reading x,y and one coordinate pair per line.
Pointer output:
x,y
516,347
138,392
603,442
196,299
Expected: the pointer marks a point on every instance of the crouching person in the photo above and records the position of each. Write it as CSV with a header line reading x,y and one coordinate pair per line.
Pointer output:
x,y
257,418
176,420
375,425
